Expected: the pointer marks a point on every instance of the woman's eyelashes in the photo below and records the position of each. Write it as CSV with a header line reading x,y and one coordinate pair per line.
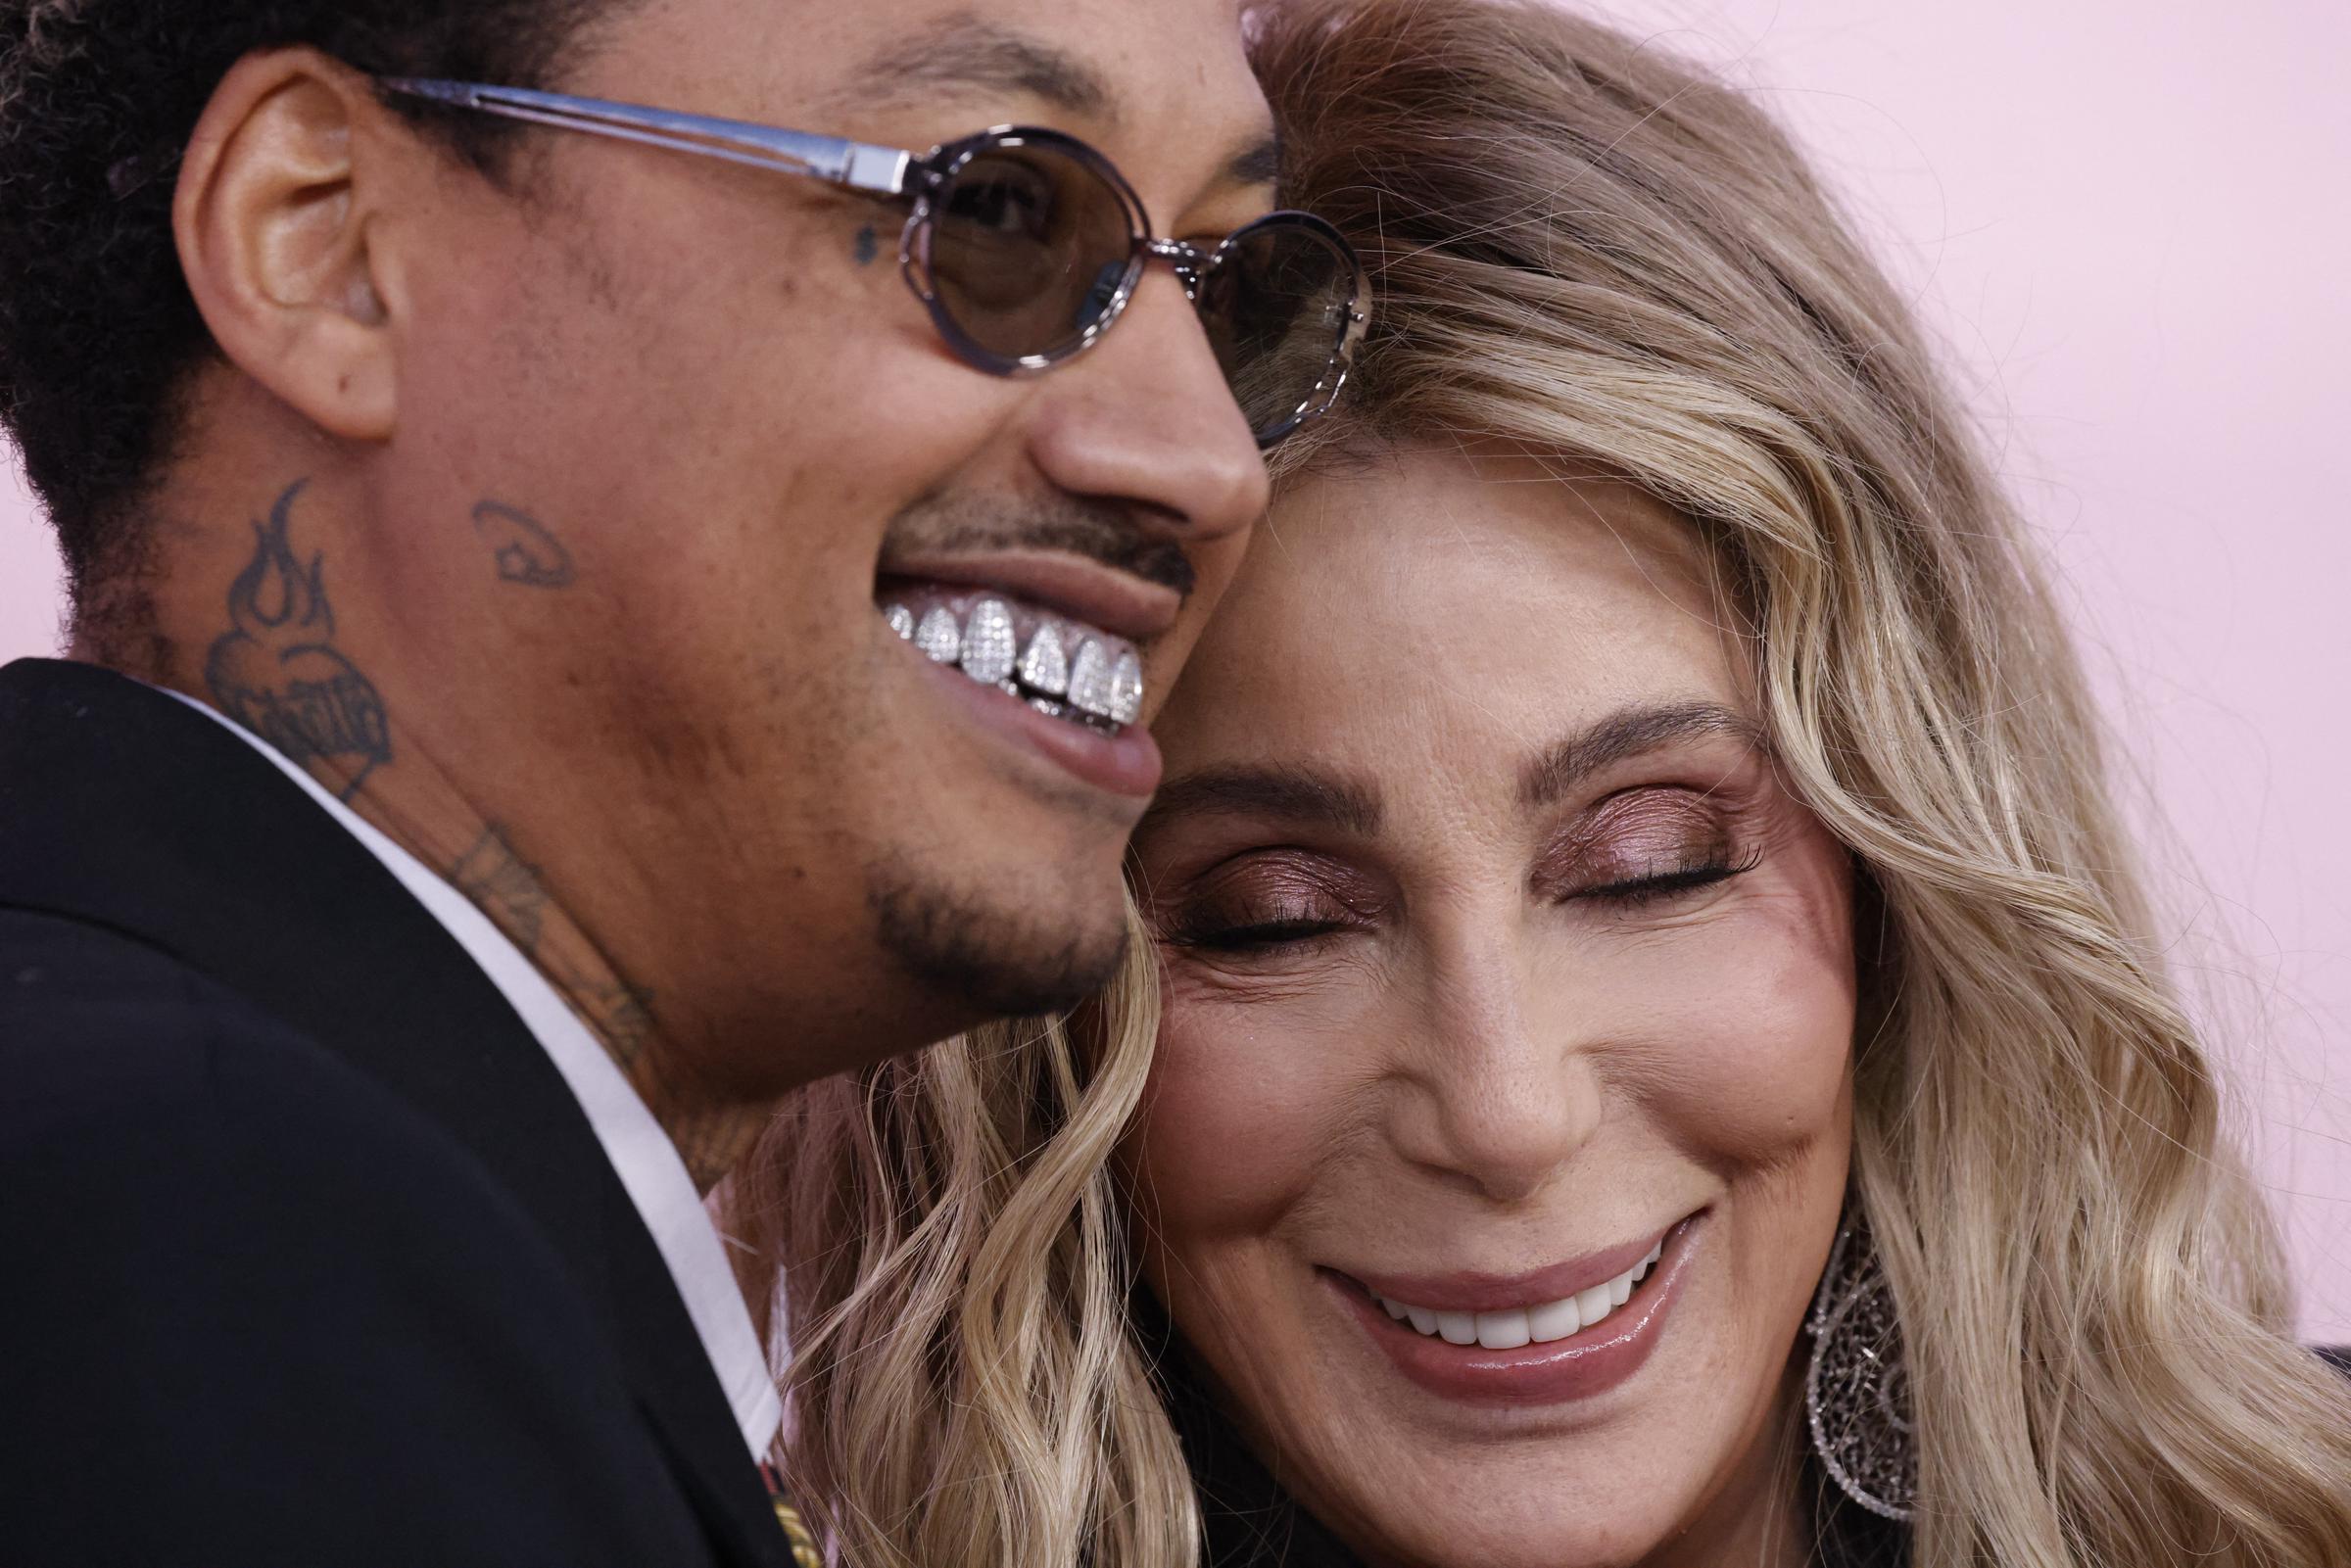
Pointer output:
x,y
1215,937
1647,847
1715,865
1268,899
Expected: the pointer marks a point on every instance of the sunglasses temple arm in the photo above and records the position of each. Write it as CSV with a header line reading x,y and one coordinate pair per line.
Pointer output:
x,y
859,165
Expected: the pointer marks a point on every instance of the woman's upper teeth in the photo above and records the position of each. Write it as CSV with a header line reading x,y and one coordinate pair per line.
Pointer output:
x,y
1537,1324
1057,663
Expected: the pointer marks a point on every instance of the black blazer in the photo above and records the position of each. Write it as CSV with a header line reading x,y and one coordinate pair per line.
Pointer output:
x,y
307,1253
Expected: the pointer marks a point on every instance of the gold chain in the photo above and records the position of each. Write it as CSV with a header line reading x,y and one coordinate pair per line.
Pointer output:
x,y
795,1530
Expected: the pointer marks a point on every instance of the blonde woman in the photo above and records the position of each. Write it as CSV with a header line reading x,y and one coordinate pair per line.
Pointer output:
x,y
1645,1046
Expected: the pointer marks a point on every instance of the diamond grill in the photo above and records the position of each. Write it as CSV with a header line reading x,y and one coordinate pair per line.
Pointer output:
x,y
1100,685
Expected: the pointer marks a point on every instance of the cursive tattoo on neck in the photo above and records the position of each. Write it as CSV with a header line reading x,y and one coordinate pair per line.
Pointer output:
x,y
526,552
495,876
709,1136
621,1014
277,672
505,886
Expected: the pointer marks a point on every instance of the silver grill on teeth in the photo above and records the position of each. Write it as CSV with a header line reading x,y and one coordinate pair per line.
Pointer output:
x,y
988,653
1092,689
1089,678
1044,667
938,637
1127,689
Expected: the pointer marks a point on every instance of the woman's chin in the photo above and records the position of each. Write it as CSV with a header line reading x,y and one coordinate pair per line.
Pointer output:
x,y
1458,1508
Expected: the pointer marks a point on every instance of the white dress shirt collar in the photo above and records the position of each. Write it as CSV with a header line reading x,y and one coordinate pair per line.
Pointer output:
x,y
648,1163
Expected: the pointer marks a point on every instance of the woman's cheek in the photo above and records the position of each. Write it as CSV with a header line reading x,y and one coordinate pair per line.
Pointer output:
x,y
1761,1092
1232,1121
1760,1049
1726,1029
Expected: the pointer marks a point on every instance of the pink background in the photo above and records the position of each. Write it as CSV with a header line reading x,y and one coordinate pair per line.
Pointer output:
x,y
2125,219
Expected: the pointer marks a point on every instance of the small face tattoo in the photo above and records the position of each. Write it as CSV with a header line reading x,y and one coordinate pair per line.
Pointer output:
x,y
525,550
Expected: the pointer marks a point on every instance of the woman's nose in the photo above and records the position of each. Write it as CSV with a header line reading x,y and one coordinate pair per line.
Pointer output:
x,y
1495,1095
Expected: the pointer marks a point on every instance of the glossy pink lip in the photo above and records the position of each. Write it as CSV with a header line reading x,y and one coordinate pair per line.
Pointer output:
x,y
1071,586
1127,764
1494,1293
1581,1366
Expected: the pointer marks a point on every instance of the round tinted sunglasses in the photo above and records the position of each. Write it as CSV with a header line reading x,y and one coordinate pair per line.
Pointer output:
x,y
1027,244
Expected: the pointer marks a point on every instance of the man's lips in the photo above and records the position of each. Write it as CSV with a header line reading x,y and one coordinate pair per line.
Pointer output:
x,y
1070,586
1065,690
1121,760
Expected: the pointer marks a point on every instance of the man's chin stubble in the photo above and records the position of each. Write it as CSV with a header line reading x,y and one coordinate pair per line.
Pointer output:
x,y
995,962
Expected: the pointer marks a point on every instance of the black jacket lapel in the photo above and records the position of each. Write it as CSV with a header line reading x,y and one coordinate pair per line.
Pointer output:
x,y
120,806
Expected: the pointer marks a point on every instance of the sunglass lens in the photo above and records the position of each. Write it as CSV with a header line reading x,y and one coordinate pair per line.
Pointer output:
x,y
1278,306
1028,248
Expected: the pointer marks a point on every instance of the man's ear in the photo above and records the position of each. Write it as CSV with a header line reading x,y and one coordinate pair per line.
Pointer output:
x,y
274,216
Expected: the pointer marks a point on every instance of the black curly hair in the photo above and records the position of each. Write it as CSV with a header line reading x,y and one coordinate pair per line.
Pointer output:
x,y
98,332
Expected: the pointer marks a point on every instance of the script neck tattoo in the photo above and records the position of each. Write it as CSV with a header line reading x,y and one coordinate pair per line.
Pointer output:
x,y
513,893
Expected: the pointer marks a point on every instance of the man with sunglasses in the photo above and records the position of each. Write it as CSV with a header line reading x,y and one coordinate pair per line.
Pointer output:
x,y
621,551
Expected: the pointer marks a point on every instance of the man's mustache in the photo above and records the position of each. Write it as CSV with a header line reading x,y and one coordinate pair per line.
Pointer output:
x,y
973,525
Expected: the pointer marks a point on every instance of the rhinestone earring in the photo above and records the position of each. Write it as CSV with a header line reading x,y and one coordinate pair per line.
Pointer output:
x,y
1857,1388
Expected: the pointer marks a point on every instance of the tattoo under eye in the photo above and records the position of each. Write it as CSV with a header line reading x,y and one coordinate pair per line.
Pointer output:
x,y
869,245
276,671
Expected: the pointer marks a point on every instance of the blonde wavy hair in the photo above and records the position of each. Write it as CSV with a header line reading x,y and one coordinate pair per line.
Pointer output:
x,y
1587,247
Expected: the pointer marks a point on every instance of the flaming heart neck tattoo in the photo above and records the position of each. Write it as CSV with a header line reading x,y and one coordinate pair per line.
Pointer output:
x,y
277,672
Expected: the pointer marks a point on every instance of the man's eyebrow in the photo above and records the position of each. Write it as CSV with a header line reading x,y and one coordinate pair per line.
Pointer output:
x,y
967,55
1295,794
1627,733
1258,163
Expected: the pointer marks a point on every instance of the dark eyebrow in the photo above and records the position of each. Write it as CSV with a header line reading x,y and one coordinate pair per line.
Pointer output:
x,y
967,54
1626,733
1258,163
1294,793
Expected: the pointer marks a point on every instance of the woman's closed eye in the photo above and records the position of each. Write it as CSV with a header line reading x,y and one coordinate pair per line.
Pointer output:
x,y
1216,936
1713,866
1268,899
1646,847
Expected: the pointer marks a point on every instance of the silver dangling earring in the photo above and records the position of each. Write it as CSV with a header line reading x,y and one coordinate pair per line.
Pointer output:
x,y
1857,1388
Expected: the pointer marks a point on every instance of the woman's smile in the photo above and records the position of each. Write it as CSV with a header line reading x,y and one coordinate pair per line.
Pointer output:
x,y
1534,1340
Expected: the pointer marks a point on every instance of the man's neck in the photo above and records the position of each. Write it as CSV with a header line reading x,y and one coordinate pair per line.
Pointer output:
x,y
482,859
273,657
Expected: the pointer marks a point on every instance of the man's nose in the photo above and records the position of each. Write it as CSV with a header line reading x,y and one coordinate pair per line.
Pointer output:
x,y
1146,419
